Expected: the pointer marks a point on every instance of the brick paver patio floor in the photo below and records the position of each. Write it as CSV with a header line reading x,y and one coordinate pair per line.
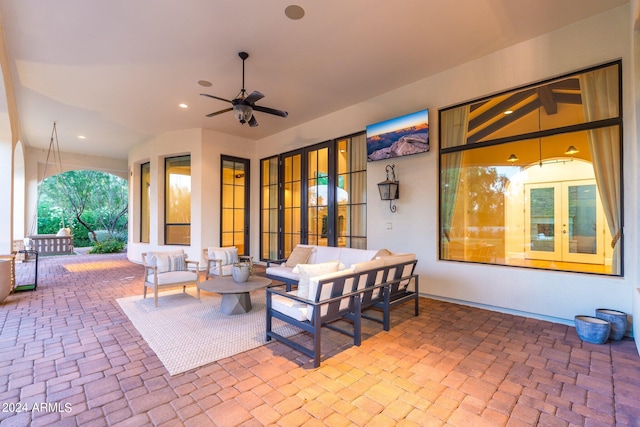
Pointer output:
x,y
70,357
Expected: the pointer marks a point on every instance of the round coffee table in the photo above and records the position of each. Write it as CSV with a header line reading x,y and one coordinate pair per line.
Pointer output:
x,y
235,296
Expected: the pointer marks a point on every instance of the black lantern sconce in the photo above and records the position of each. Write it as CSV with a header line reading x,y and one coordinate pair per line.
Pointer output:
x,y
390,188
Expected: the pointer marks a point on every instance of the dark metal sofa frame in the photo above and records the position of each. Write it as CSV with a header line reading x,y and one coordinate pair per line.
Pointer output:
x,y
379,292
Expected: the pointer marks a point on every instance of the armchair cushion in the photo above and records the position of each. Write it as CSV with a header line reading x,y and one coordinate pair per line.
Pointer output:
x,y
171,277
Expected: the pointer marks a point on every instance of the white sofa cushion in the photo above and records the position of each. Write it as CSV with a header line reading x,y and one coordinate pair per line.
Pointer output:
x,y
324,254
307,271
326,290
282,271
367,265
289,307
349,256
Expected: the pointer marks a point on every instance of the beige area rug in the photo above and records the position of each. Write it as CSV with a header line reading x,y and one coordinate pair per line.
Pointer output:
x,y
186,333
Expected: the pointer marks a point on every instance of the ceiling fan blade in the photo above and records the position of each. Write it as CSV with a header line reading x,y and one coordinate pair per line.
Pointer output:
x,y
253,97
215,97
253,122
270,111
220,112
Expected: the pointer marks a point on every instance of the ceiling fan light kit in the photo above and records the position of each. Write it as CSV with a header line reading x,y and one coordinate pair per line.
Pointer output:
x,y
243,105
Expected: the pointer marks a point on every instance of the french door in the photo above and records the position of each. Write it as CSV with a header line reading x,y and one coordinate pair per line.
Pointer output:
x,y
306,197
564,221
234,217
314,195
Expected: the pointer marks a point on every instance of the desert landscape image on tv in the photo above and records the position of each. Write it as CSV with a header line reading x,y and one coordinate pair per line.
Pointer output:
x,y
401,136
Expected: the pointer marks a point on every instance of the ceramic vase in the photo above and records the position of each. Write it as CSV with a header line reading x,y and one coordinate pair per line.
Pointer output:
x,y
593,330
240,273
618,321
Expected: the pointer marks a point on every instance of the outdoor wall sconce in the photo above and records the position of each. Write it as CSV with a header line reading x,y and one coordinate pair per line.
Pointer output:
x,y
389,188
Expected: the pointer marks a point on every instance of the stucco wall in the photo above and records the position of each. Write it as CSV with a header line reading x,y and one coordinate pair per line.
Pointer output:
x,y
205,148
546,294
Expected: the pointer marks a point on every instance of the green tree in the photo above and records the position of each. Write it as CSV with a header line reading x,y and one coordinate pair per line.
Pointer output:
x,y
90,200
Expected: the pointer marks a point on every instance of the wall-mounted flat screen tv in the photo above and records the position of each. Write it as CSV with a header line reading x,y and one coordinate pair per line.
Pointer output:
x,y
402,136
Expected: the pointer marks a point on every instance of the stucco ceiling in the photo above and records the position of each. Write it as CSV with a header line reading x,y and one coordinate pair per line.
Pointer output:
x,y
115,71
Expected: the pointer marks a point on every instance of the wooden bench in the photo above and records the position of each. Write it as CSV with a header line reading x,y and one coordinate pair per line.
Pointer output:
x,y
343,295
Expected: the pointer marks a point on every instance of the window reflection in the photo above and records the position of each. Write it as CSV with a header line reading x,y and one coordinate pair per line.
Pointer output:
x,y
538,187
178,200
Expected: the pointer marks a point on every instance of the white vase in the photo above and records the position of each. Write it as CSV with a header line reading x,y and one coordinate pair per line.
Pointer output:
x,y
240,273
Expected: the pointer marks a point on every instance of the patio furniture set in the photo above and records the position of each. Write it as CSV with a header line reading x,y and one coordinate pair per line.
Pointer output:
x,y
322,285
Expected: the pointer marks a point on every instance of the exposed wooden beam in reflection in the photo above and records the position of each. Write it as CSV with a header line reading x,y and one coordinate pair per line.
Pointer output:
x,y
504,121
500,108
545,94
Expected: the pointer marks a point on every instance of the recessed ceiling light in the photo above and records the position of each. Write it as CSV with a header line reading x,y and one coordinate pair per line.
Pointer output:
x,y
183,106
294,12
82,137
508,112
204,83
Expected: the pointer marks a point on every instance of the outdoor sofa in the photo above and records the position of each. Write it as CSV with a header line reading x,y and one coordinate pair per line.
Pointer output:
x,y
350,295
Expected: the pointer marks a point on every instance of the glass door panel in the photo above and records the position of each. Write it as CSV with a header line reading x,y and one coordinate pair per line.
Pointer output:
x,y
541,220
583,229
234,217
292,202
269,209
319,194
564,222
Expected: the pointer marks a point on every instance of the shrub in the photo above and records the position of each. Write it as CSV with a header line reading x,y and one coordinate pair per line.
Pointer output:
x,y
101,235
109,246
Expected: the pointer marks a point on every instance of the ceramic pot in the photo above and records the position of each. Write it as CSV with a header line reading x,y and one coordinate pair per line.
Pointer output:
x,y
240,273
593,330
618,321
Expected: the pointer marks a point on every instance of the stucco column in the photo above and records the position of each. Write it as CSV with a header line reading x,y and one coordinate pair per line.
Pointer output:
x,y
6,195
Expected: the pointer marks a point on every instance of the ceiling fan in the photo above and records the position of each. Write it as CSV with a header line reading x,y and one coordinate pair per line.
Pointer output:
x,y
243,105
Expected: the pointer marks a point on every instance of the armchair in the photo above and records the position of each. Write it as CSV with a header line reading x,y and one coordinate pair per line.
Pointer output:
x,y
219,261
168,270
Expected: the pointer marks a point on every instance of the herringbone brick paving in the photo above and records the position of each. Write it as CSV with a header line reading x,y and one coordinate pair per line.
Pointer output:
x,y
70,357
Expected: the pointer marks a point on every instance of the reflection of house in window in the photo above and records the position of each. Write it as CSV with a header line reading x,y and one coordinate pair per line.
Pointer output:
x,y
509,182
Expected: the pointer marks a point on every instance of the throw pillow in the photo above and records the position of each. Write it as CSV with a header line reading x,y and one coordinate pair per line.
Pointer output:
x,y
382,253
165,263
299,255
307,271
